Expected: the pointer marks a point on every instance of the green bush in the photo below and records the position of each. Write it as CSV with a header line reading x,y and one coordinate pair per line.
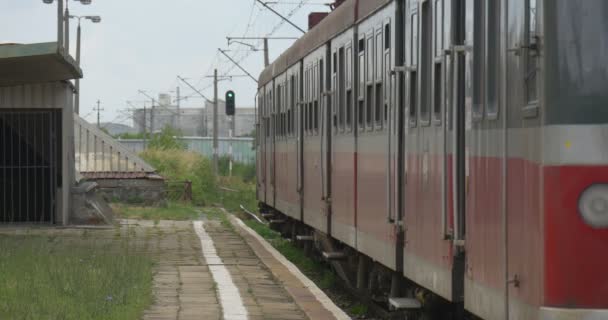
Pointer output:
x,y
167,139
181,165
244,171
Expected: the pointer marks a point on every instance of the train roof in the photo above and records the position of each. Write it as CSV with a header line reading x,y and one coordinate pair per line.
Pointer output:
x,y
338,21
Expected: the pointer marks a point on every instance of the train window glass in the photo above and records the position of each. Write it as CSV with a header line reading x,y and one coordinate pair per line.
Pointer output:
x,y
370,60
316,117
532,53
349,91
334,85
478,57
292,101
379,105
279,105
369,99
361,100
361,68
492,22
341,88
387,83
438,28
379,101
425,62
414,39
368,108
387,36
378,56
413,103
438,90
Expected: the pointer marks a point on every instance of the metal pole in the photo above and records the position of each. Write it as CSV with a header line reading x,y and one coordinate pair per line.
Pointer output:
x,y
152,117
177,93
78,32
66,17
230,150
215,123
266,53
98,114
145,133
60,24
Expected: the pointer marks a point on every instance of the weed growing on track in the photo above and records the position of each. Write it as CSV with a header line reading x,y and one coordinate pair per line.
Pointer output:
x,y
61,278
315,270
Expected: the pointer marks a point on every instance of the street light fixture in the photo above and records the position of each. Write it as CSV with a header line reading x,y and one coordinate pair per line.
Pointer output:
x,y
63,22
94,19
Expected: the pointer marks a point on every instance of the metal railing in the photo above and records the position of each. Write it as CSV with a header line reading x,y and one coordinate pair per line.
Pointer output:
x,y
95,151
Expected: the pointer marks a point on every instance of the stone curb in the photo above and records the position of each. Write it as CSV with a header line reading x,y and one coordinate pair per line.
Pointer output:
x,y
312,300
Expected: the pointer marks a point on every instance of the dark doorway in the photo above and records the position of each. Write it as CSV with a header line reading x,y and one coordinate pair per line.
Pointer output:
x,y
30,158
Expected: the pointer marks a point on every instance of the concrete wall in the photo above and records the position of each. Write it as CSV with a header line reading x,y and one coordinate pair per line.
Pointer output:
x,y
50,95
150,192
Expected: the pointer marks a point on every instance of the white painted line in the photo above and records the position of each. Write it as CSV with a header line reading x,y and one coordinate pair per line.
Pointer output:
x,y
230,298
318,293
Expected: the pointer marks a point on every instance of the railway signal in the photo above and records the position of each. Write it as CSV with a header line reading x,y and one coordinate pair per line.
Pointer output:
x,y
230,104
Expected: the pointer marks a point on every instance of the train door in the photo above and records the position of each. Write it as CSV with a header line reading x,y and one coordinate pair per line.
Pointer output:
x,y
260,147
325,76
523,227
300,136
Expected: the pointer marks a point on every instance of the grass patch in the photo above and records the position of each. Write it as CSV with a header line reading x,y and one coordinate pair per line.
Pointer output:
x,y
358,309
315,270
54,278
173,211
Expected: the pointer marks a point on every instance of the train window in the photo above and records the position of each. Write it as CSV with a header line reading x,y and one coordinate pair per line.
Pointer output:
x,y
341,88
438,90
379,103
369,99
387,69
492,21
361,68
293,102
387,36
370,60
438,28
349,89
478,58
414,39
426,62
279,107
532,53
413,101
388,84
334,84
321,90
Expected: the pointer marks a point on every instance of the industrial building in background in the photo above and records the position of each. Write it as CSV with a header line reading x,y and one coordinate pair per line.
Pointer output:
x,y
192,122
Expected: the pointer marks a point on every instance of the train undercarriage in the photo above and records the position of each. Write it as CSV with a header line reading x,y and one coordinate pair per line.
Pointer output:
x,y
387,292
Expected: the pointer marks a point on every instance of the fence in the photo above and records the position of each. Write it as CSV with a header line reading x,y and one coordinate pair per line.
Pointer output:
x,y
242,148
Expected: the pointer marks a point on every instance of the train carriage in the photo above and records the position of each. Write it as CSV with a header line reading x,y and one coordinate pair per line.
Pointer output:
x,y
451,151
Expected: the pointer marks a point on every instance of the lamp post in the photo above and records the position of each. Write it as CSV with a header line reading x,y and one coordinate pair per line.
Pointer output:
x,y
63,24
94,19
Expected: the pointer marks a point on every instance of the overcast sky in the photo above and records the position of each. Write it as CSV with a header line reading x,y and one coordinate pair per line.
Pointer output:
x,y
145,44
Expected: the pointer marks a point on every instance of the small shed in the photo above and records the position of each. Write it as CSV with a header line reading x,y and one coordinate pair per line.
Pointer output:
x,y
37,167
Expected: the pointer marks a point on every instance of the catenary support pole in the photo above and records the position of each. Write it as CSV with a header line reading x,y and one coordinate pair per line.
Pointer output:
x,y
215,122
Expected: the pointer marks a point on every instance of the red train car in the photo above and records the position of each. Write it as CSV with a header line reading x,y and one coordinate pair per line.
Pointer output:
x,y
448,155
